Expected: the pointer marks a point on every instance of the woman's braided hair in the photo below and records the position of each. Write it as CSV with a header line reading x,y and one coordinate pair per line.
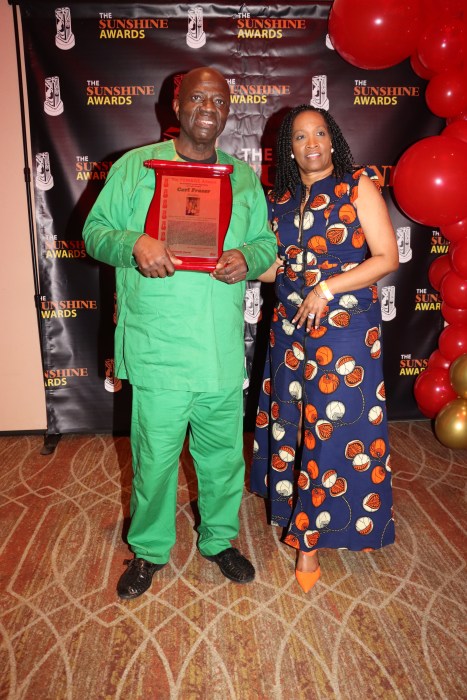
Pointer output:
x,y
287,172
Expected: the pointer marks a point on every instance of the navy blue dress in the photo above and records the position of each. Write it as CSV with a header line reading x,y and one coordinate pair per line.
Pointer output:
x,y
335,489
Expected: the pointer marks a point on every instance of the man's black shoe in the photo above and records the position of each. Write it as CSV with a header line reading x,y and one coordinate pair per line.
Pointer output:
x,y
233,565
137,578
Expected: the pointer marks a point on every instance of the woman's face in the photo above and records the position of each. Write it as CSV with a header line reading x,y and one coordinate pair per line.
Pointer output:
x,y
311,146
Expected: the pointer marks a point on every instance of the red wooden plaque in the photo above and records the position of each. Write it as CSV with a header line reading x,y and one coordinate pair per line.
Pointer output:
x,y
190,210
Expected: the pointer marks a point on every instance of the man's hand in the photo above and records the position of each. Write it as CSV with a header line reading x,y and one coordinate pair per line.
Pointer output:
x,y
154,258
231,267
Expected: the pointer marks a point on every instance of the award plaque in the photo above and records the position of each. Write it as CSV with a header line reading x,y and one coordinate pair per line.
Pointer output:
x,y
190,210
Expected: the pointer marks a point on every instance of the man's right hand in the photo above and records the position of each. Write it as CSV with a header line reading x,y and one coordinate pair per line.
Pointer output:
x,y
154,258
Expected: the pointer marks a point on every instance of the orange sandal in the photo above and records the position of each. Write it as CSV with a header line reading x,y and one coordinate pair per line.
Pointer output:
x,y
307,579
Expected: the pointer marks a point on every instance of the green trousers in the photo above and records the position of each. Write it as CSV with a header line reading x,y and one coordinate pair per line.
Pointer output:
x,y
159,422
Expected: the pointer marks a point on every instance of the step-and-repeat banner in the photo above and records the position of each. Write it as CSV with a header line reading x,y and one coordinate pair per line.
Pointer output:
x,y
101,78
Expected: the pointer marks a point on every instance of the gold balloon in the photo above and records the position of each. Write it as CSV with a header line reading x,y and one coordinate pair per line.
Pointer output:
x,y
458,375
451,424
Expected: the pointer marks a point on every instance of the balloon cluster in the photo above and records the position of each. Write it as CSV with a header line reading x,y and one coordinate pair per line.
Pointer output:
x,y
441,393
428,179
441,390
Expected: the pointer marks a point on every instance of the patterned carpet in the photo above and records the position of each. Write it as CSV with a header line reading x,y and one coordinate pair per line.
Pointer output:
x,y
387,624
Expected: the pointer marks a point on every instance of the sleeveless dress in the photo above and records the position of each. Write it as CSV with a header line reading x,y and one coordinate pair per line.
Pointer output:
x,y
333,491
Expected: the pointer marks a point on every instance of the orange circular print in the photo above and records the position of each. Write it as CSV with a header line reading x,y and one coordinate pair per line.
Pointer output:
x,y
347,213
318,244
328,383
302,520
323,355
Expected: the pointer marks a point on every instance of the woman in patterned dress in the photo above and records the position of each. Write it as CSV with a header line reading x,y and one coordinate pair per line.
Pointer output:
x,y
321,451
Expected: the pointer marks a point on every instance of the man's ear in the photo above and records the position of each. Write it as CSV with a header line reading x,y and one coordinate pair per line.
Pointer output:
x,y
175,106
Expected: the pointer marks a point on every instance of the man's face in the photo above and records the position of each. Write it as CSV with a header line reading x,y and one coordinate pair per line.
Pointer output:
x,y
202,106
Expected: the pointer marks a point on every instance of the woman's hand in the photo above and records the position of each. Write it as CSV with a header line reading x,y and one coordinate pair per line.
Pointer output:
x,y
270,274
310,311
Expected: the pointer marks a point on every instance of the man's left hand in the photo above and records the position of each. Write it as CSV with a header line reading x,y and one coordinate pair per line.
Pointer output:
x,y
231,267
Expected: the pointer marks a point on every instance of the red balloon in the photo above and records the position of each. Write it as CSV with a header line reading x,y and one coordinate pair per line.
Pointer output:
x,y
454,291
438,361
453,341
393,26
432,390
441,46
458,118
456,317
457,129
438,268
451,8
455,232
429,181
419,68
458,257
446,93
443,9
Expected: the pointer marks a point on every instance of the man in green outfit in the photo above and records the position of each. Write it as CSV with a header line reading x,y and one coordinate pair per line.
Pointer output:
x,y
179,340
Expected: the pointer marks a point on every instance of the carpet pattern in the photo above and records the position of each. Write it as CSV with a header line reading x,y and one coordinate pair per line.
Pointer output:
x,y
385,624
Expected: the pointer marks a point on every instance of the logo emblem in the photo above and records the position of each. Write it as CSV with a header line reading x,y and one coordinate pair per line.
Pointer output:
x,y
403,243
252,305
195,38
64,38
388,303
53,104
246,379
44,179
319,96
111,383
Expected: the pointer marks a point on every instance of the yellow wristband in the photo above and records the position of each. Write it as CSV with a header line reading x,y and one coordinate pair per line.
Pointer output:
x,y
326,291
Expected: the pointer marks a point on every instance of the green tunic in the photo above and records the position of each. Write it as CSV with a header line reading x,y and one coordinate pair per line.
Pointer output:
x,y
183,332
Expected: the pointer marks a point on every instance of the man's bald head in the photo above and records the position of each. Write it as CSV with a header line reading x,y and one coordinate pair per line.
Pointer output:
x,y
202,107
200,75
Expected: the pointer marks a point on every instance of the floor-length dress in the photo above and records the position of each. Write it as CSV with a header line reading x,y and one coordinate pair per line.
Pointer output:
x,y
334,490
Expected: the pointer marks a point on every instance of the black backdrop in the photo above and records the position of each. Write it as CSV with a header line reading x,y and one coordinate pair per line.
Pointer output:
x,y
101,78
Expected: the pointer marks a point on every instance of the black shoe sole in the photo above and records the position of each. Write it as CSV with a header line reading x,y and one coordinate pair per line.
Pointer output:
x,y
124,596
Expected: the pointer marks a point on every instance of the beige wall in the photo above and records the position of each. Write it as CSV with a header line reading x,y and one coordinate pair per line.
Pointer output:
x,y
22,405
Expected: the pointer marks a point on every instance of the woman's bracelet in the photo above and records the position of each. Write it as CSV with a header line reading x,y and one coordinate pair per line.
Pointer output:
x,y
327,294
